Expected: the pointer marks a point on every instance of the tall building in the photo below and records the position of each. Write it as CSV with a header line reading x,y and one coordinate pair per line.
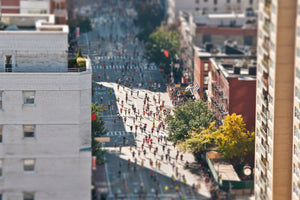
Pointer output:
x,y
45,113
56,7
277,112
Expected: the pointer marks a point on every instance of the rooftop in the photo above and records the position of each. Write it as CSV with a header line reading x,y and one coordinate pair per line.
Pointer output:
x,y
31,22
241,68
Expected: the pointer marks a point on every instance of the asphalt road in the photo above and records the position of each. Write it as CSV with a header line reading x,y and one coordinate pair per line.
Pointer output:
x,y
118,57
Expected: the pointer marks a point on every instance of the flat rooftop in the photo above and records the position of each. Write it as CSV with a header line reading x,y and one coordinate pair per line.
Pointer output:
x,y
31,22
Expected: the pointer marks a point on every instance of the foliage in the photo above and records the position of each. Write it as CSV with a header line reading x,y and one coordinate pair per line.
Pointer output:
x,y
79,54
149,17
81,62
71,63
199,139
163,40
193,114
98,130
83,23
233,139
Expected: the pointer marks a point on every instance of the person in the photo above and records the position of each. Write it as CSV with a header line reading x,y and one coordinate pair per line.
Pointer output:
x,y
120,148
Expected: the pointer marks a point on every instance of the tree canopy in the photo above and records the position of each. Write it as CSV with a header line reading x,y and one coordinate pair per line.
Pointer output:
x,y
149,17
159,41
193,114
98,130
199,139
233,139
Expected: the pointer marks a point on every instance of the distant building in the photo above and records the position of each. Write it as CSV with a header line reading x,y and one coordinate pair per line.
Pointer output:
x,y
56,7
45,113
228,83
209,6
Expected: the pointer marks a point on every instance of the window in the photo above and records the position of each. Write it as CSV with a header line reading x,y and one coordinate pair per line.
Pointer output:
x,y
206,38
228,1
1,169
248,40
298,31
8,63
1,94
206,67
196,1
238,1
215,2
28,196
205,80
1,134
29,97
29,131
28,165
0,196
298,52
250,2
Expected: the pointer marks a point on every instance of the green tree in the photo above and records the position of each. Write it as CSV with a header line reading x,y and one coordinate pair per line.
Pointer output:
x,y
159,41
199,140
234,141
193,114
149,17
98,130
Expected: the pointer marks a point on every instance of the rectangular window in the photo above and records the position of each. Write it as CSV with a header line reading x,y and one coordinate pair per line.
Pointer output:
x,y
1,134
250,2
8,63
206,67
29,131
238,1
298,52
29,97
0,196
215,2
228,1
28,165
196,1
205,80
1,169
298,73
1,94
28,196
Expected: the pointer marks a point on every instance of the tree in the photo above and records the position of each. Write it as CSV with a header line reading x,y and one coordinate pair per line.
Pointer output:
x,y
163,40
233,139
149,17
193,114
98,130
198,140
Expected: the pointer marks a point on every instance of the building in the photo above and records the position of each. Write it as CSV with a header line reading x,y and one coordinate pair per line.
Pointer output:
x,y
45,113
231,89
209,6
217,35
56,7
277,112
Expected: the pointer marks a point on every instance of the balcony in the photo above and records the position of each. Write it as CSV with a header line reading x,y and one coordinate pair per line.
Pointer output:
x,y
265,62
266,26
266,45
267,7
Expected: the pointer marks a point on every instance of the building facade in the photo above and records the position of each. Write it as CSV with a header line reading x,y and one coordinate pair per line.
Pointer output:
x,y
56,7
45,116
232,89
277,111
210,6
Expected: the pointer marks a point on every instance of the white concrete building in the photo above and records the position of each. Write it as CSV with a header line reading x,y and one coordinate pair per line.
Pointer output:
x,y
210,6
45,116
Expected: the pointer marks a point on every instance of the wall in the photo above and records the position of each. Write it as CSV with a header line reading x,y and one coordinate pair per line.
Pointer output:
x,y
34,7
220,34
62,115
243,100
34,51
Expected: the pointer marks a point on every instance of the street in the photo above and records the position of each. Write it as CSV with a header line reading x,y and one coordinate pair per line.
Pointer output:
x,y
140,162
